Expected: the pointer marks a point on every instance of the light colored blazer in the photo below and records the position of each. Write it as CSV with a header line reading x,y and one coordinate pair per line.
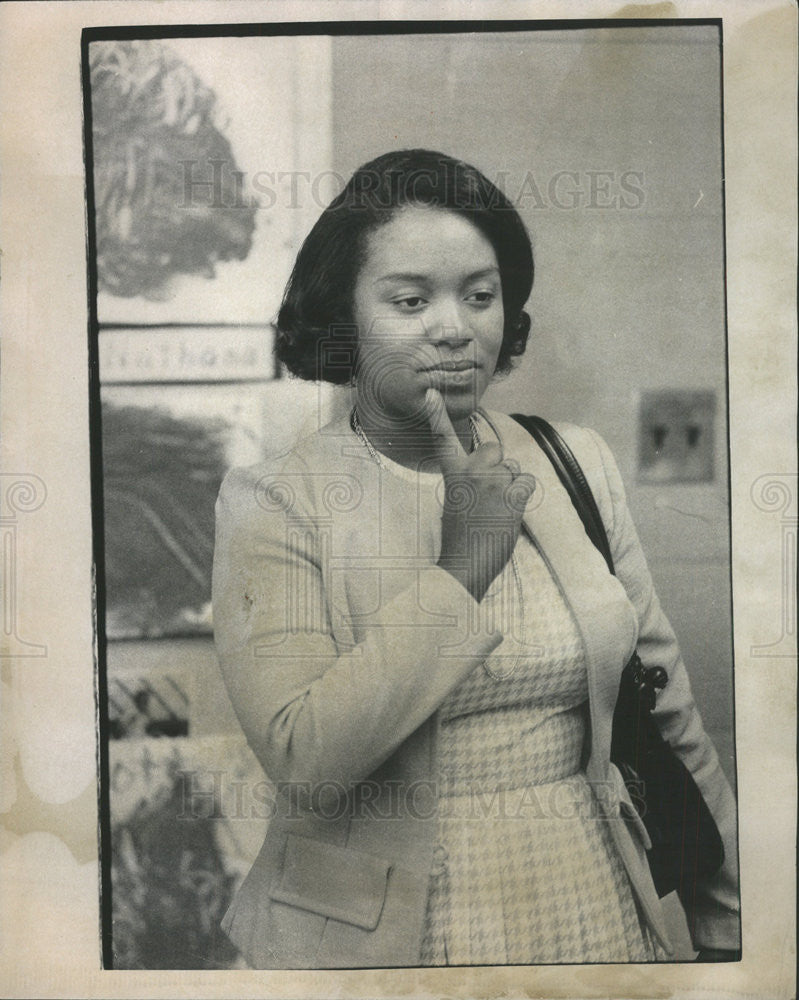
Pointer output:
x,y
338,639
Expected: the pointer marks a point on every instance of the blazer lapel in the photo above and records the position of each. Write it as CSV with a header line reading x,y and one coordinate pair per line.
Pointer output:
x,y
604,616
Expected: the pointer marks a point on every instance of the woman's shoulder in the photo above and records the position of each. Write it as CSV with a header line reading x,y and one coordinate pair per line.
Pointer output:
x,y
583,441
287,479
586,441
588,447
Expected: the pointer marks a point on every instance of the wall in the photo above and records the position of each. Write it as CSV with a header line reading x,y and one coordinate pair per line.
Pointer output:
x,y
188,389
626,298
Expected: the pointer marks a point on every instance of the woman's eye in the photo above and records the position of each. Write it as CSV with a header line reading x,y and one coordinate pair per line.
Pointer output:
x,y
481,298
409,302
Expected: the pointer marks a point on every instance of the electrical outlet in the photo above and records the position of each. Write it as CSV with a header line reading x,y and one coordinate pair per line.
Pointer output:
x,y
675,436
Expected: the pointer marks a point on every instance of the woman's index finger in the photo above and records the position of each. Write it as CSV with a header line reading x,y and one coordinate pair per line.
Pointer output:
x,y
445,437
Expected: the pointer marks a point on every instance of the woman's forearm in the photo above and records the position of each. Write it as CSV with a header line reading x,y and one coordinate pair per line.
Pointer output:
x,y
321,700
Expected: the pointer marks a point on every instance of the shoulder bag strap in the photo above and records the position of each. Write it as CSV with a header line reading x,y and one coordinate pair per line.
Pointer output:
x,y
572,477
646,679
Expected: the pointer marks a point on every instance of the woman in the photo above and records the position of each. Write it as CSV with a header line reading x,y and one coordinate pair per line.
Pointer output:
x,y
421,643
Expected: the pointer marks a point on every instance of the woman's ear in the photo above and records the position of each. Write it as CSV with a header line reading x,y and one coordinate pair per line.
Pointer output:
x,y
522,324
521,330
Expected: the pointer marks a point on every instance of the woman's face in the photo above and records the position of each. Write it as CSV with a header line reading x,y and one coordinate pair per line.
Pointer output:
x,y
428,309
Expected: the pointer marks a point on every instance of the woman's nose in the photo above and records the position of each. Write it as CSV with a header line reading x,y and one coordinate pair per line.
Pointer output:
x,y
449,323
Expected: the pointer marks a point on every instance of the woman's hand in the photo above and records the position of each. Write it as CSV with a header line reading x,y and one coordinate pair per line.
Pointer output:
x,y
484,500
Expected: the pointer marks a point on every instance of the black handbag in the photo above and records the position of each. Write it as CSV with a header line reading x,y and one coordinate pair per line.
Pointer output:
x,y
686,844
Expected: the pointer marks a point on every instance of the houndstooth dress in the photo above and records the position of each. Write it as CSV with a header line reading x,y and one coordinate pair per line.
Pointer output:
x,y
525,870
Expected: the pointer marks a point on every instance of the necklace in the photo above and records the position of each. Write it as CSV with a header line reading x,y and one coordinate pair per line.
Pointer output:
x,y
473,429
494,670
355,424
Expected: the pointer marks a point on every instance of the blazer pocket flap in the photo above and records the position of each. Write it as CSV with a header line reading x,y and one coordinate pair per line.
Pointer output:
x,y
333,881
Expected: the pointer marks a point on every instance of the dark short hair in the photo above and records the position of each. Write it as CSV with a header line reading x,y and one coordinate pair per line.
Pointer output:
x,y
315,319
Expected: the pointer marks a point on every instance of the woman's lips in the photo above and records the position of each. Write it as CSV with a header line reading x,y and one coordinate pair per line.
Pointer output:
x,y
452,376
449,367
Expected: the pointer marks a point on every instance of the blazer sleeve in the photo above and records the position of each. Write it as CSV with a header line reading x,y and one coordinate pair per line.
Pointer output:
x,y
717,910
318,710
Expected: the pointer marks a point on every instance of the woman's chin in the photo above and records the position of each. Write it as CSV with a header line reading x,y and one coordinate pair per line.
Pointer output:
x,y
407,405
461,401
461,394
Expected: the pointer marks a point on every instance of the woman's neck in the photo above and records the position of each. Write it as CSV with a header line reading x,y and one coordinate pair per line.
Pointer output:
x,y
400,440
